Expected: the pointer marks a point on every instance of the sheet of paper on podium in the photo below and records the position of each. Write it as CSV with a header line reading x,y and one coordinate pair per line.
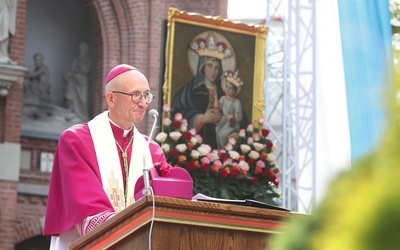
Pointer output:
x,y
245,202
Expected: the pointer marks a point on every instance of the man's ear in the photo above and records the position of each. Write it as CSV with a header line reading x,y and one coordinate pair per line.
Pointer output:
x,y
110,99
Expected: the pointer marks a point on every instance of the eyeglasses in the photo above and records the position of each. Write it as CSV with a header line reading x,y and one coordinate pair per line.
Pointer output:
x,y
137,97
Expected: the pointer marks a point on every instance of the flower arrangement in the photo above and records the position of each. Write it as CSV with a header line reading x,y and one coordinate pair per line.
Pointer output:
x,y
244,169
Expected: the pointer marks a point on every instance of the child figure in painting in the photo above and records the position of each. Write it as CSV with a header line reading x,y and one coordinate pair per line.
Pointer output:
x,y
231,107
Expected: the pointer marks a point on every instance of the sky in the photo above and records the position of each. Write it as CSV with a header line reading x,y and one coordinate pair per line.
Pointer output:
x,y
247,9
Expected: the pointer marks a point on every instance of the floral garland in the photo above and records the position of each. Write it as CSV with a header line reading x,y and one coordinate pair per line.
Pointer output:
x,y
244,169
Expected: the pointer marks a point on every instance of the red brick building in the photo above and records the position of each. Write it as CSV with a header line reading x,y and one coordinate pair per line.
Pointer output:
x,y
121,31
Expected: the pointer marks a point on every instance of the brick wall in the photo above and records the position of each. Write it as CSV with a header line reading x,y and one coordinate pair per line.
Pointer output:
x,y
127,31
2,119
13,111
31,209
13,102
8,214
36,146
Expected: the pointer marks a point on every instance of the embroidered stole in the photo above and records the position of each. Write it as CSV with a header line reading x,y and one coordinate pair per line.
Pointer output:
x,y
109,163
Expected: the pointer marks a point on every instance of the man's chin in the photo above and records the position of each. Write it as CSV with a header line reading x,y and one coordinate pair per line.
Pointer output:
x,y
138,119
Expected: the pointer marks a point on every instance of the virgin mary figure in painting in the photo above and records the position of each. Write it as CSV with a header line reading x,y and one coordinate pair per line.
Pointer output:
x,y
197,100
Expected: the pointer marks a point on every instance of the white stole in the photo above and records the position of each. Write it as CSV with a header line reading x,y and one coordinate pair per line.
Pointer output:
x,y
109,164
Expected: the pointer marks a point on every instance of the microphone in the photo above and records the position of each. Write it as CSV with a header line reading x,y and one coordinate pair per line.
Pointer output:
x,y
146,191
154,114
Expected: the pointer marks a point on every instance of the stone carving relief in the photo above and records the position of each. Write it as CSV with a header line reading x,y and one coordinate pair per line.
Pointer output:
x,y
40,114
8,12
77,82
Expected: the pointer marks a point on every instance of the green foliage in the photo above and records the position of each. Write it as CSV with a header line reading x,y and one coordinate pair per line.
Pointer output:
x,y
361,210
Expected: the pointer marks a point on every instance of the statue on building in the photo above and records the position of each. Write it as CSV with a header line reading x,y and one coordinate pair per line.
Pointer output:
x,y
77,83
39,87
8,12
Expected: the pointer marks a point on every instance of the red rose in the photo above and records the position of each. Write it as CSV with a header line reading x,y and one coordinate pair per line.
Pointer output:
x,y
190,165
275,181
250,162
235,172
254,180
205,167
174,152
269,145
267,172
265,132
223,156
176,124
187,136
263,155
224,173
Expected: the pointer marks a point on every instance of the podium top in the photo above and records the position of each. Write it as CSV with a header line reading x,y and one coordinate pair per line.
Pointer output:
x,y
181,211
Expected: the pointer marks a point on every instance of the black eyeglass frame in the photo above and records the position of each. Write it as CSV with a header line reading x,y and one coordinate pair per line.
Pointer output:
x,y
148,96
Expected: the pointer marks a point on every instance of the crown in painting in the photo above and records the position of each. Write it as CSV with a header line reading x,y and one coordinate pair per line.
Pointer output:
x,y
211,47
234,78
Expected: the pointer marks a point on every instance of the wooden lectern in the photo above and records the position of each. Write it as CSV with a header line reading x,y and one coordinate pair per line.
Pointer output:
x,y
185,224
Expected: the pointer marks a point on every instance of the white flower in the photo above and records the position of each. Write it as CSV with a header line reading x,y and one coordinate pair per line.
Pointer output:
x,y
184,122
167,121
165,147
178,117
256,136
261,121
181,147
166,107
242,132
213,155
258,146
234,155
228,162
250,128
175,135
245,148
254,155
183,127
161,137
228,146
192,131
243,165
204,149
199,138
271,158
232,140
250,140
193,140
195,154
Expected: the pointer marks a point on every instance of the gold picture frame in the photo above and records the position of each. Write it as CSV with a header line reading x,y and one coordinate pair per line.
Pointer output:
x,y
247,45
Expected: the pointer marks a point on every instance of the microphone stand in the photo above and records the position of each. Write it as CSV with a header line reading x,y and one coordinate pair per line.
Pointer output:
x,y
146,177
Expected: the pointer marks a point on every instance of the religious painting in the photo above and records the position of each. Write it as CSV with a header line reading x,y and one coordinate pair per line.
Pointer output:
x,y
214,74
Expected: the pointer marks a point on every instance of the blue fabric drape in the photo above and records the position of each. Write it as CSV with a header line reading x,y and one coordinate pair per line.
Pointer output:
x,y
367,59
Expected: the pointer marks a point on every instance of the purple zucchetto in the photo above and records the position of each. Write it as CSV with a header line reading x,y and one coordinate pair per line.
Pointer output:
x,y
117,70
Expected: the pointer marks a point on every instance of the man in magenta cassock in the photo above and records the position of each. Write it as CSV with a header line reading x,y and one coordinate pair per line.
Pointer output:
x,y
97,164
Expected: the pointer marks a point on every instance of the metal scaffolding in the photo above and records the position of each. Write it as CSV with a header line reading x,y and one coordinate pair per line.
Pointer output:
x,y
290,98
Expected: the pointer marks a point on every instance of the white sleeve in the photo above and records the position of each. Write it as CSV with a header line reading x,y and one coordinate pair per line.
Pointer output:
x,y
91,222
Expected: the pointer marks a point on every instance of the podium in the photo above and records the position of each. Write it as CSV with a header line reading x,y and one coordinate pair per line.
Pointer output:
x,y
185,224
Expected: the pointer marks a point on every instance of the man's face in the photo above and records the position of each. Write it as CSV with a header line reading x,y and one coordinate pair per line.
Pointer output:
x,y
124,111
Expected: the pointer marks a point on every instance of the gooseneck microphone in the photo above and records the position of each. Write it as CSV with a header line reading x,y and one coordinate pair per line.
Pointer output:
x,y
154,114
